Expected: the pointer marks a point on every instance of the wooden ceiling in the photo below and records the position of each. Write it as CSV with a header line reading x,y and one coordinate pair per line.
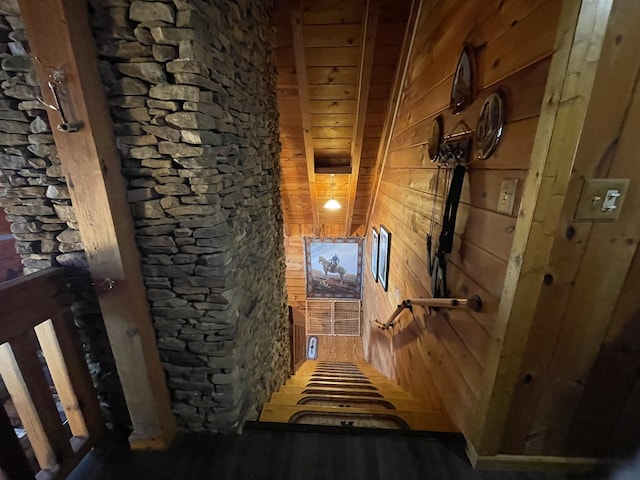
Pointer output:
x,y
337,62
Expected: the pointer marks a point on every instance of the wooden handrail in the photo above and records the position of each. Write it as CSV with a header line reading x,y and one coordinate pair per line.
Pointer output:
x,y
474,303
36,317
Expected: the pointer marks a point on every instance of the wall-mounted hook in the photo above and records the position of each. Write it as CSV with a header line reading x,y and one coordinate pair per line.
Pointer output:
x,y
55,84
106,285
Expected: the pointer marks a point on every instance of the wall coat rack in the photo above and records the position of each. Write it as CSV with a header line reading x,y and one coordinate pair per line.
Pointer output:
x,y
56,84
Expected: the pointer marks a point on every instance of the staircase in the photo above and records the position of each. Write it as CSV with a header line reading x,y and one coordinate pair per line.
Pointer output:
x,y
350,395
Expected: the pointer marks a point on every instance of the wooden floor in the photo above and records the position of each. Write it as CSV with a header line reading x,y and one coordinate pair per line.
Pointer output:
x,y
271,452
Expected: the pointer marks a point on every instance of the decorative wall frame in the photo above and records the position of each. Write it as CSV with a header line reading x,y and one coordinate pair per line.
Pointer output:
x,y
463,89
374,253
490,125
384,256
312,348
435,139
333,267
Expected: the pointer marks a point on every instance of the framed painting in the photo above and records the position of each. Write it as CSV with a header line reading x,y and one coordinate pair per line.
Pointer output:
x,y
334,267
383,257
374,253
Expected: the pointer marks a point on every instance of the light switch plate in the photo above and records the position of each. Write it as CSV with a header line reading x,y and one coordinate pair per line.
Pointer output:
x,y
507,196
601,199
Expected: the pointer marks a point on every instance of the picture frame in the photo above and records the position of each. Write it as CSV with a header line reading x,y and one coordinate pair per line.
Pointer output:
x,y
384,255
334,267
435,139
463,89
374,253
490,125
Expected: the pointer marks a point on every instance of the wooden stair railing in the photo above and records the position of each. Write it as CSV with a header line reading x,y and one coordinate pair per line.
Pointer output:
x,y
35,316
474,303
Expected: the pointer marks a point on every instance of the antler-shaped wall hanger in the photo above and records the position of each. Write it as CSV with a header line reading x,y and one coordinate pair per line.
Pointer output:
x,y
456,144
56,85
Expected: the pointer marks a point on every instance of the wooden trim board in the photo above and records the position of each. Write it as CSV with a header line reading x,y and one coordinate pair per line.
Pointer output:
x,y
303,93
369,31
536,463
558,131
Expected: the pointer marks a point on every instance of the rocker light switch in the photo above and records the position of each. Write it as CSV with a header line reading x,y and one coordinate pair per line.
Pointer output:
x,y
507,197
610,199
601,199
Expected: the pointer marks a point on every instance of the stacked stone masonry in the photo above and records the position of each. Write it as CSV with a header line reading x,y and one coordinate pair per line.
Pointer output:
x,y
191,86
36,201
192,90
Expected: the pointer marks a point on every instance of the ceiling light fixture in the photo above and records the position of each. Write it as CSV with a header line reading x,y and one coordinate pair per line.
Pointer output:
x,y
333,203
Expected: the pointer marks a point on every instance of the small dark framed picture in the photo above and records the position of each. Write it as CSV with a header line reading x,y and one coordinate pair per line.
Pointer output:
x,y
383,257
463,90
374,253
490,125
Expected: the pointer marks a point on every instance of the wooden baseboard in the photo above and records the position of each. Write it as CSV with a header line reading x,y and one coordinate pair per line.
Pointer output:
x,y
540,463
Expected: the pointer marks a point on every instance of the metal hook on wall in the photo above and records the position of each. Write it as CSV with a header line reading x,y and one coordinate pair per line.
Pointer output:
x,y
456,144
55,84
106,285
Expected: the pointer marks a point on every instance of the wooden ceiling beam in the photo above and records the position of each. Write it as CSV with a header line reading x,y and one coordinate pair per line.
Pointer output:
x,y
369,30
305,107
394,103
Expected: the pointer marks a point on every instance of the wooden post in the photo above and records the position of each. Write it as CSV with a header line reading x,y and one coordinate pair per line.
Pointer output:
x,y
59,35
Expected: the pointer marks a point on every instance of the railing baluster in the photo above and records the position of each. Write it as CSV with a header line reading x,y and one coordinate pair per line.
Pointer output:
x,y
24,378
13,461
21,320
66,361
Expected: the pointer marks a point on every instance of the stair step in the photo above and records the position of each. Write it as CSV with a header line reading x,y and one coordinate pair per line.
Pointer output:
x,y
412,420
316,372
338,376
374,375
408,404
364,386
310,367
303,390
333,363
319,371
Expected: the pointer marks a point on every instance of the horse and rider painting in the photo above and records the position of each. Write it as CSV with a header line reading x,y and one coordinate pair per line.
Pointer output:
x,y
334,267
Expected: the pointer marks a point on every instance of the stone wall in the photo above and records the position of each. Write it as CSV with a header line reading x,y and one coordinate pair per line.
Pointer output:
x,y
36,201
191,86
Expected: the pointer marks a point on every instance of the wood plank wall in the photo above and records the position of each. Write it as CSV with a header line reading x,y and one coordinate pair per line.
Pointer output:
x,y
578,388
294,258
298,339
513,40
